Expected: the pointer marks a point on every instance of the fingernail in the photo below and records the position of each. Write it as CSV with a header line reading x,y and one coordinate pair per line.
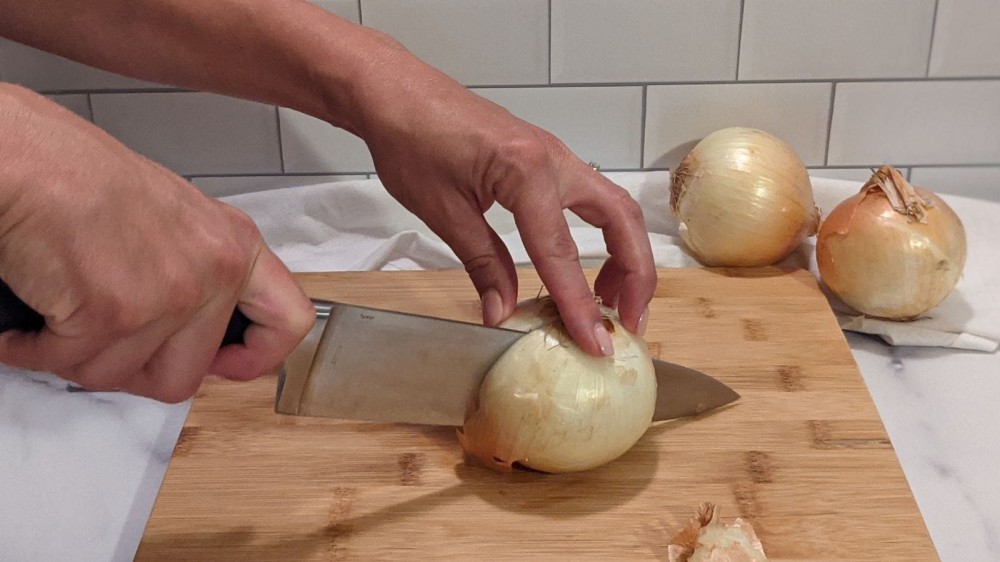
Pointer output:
x,y
643,319
604,339
492,307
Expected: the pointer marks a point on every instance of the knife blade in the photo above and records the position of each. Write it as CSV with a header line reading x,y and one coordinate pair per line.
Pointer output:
x,y
364,363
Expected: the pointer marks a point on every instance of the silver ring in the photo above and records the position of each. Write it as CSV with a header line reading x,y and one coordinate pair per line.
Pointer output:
x,y
595,166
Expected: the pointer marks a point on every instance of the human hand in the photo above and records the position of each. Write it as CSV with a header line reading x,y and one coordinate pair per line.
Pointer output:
x,y
135,271
448,155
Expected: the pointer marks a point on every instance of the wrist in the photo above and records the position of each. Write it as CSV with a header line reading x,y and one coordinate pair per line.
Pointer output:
x,y
353,88
373,94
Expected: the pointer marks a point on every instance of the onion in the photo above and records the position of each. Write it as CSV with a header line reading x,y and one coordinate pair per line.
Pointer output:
x,y
743,198
706,539
893,250
547,405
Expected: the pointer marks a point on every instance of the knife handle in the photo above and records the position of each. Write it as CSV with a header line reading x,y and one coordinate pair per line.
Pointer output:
x,y
15,315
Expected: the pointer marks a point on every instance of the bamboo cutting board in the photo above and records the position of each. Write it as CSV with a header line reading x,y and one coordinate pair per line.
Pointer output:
x,y
803,455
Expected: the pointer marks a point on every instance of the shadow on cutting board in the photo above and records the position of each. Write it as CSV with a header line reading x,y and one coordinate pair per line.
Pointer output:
x,y
532,494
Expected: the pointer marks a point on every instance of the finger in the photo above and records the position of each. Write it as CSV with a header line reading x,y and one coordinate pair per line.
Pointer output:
x,y
485,257
612,279
628,279
546,237
47,350
178,365
281,314
116,365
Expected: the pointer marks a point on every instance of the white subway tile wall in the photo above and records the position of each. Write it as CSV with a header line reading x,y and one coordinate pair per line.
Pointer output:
x,y
310,145
632,84
804,39
982,182
678,116
347,9
601,124
77,103
930,123
644,40
849,174
481,42
966,39
192,132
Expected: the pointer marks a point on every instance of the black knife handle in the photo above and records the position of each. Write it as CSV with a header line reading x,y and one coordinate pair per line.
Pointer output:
x,y
15,315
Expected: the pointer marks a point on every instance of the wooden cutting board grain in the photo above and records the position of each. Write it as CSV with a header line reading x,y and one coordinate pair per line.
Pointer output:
x,y
803,455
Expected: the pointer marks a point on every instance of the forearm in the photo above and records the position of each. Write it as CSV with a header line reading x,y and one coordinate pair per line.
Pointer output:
x,y
27,121
283,52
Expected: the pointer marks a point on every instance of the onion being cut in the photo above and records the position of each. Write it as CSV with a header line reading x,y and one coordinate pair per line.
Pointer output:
x,y
549,406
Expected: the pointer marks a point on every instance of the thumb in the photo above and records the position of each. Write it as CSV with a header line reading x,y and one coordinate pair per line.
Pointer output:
x,y
281,315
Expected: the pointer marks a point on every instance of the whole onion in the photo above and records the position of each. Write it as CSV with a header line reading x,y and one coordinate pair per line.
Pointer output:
x,y
743,198
547,405
893,250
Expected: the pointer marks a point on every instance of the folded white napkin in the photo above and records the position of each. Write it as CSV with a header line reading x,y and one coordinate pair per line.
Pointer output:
x,y
355,225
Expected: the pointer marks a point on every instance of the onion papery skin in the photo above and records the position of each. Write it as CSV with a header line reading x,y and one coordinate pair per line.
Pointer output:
x,y
743,198
886,264
548,406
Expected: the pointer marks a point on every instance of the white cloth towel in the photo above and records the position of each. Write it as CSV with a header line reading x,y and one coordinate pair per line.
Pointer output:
x,y
356,226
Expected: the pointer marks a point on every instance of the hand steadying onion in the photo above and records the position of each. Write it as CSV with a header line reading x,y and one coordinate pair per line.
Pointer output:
x,y
743,198
893,250
549,406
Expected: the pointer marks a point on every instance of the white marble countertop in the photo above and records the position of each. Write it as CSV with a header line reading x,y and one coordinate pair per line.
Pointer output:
x,y
80,471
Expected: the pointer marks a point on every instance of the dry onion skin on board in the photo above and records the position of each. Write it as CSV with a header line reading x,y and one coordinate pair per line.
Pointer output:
x,y
548,406
707,539
893,250
742,198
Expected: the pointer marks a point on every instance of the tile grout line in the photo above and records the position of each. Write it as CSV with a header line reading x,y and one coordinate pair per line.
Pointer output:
x,y
829,123
827,80
281,144
361,20
739,39
790,81
642,131
812,167
90,108
930,46
550,42
277,175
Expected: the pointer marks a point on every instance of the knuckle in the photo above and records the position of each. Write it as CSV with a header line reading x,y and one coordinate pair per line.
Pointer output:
x,y
301,323
232,247
628,206
183,295
172,387
561,249
124,316
480,263
94,378
176,394
526,154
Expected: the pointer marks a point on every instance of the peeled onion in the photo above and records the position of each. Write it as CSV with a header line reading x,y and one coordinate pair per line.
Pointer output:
x,y
893,250
549,406
743,198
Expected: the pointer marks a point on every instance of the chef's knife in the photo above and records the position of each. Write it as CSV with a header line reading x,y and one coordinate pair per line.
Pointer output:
x,y
364,363
377,365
